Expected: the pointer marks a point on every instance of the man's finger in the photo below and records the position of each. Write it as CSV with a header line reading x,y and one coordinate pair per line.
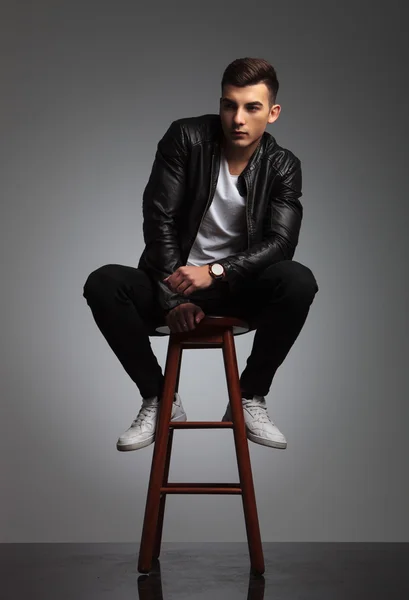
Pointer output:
x,y
169,283
180,318
176,326
172,285
183,324
170,277
181,286
191,320
199,316
186,318
189,290
177,276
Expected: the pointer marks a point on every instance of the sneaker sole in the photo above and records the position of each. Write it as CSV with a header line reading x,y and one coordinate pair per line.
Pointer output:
x,y
148,441
266,442
263,441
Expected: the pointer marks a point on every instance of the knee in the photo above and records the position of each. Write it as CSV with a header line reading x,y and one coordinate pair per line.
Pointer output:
x,y
296,280
96,281
300,281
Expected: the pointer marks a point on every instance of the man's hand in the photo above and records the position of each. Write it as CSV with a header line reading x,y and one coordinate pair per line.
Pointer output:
x,y
186,280
184,317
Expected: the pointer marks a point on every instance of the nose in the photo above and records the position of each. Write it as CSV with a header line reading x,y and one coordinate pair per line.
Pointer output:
x,y
238,118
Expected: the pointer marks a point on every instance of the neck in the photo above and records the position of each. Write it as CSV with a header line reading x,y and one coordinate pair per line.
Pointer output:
x,y
239,155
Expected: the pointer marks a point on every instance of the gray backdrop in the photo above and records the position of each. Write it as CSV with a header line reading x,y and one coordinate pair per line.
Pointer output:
x,y
87,91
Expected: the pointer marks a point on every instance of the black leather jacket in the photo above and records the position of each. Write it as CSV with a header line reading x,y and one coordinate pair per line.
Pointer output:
x,y
181,187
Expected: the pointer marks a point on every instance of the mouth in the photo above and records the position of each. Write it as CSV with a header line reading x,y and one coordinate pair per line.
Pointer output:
x,y
238,133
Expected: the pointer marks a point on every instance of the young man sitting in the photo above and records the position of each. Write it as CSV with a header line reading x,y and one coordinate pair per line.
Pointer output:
x,y
221,221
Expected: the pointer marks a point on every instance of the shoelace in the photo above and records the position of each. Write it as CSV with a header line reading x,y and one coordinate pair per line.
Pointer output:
x,y
143,414
259,413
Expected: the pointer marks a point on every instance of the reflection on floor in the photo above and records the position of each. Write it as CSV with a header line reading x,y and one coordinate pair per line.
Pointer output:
x,y
211,571
150,587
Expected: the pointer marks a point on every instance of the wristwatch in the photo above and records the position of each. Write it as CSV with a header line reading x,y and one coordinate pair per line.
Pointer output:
x,y
216,270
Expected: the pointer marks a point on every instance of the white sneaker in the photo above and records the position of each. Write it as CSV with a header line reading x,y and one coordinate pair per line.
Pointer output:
x,y
259,427
142,431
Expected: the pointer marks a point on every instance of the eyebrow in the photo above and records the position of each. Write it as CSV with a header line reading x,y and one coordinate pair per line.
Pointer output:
x,y
256,103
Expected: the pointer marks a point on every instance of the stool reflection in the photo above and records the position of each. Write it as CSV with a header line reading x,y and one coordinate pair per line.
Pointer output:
x,y
150,586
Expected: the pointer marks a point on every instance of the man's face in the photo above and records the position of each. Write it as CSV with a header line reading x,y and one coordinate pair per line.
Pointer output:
x,y
246,109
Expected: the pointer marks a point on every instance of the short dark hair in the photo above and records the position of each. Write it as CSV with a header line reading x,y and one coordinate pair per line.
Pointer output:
x,y
250,71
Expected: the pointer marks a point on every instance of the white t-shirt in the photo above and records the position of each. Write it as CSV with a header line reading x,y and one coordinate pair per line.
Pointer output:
x,y
223,230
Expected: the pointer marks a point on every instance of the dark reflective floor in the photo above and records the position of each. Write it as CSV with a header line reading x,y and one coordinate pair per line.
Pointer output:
x,y
199,571
150,588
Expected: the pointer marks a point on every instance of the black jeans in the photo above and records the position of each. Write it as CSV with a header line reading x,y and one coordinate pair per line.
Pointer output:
x,y
275,304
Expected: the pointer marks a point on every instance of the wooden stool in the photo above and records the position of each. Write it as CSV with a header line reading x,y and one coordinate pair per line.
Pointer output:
x,y
211,332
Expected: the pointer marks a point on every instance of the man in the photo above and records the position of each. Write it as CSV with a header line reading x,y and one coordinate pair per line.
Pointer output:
x,y
221,221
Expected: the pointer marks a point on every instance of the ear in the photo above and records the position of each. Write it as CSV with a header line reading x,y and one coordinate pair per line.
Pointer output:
x,y
274,113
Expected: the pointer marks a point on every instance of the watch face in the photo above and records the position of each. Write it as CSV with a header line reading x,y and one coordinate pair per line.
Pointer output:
x,y
217,269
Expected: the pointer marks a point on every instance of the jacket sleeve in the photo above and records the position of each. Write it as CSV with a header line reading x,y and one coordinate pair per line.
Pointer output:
x,y
162,198
281,230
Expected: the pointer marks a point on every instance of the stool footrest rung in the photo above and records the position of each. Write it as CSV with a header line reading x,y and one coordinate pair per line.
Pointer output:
x,y
201,488
201,425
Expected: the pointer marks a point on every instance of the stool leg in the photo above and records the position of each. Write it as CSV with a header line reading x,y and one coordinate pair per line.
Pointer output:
x,y
162,504
243,455
150,586
157,474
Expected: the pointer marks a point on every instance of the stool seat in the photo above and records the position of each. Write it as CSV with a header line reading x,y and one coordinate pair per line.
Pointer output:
x,y
238,325
213,331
